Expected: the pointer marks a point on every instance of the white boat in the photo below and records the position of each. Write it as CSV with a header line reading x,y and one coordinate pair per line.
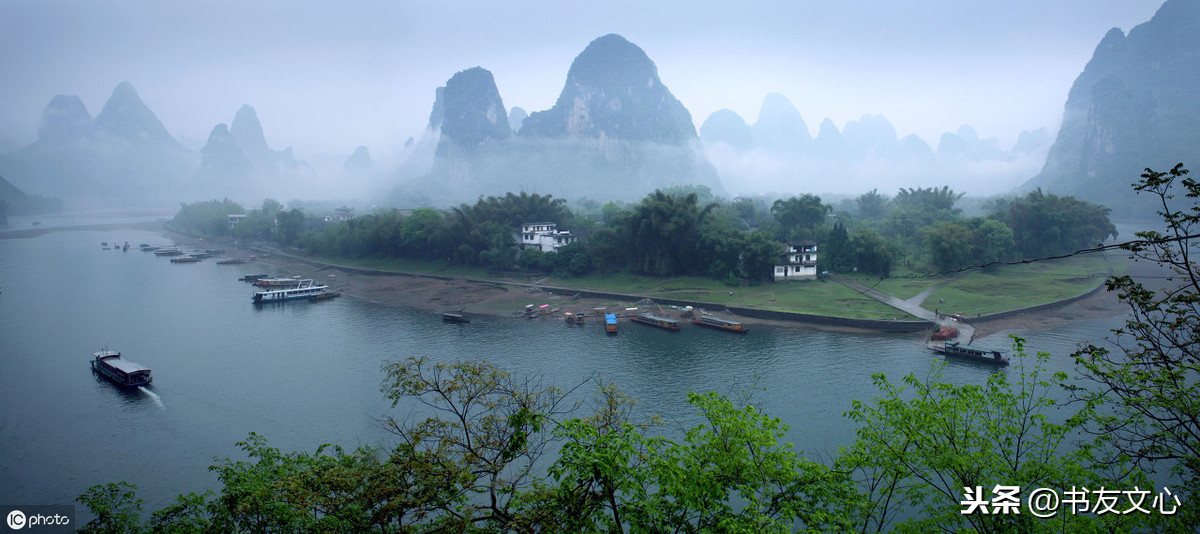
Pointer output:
x,y
304,289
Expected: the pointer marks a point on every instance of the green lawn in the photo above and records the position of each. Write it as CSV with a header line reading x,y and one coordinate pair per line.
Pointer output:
x,y
1009,287
991,290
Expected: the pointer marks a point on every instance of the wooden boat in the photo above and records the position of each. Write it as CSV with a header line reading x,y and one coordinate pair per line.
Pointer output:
x,y
168,252
720,324
275,282
252,277
573,318
953,348
231,261
304,289
326,295
124,372
610,323
454,318
185,259
656,321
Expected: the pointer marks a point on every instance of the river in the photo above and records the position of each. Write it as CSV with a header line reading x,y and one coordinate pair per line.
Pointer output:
x,y
306,373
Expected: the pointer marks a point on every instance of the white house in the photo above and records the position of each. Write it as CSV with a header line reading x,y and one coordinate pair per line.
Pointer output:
x,y
798,261
545,236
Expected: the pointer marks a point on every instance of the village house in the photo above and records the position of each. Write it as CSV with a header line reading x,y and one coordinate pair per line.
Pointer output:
x,y
798,261
545,236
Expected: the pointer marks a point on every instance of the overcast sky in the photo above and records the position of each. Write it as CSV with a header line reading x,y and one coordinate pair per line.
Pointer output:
x,y
326,77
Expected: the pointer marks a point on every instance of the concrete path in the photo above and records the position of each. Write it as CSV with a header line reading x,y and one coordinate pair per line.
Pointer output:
x,y
912,306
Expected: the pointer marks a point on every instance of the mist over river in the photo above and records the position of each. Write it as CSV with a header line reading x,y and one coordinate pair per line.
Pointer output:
x,y
306,373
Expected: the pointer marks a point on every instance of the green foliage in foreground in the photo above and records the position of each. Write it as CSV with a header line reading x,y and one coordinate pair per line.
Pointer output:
x,y
498,453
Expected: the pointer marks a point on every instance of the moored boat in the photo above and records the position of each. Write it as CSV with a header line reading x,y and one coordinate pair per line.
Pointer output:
x,y
124,372
304,289
656,321
275,282
454,318
168,252
252,277
954,348
231,261
185,259
720,324
610,323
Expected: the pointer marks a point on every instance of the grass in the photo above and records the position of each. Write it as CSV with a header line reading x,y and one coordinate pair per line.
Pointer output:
x,y
992,290
1009,287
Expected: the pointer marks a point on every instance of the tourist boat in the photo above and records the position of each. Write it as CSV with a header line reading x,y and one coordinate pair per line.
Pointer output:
x,y
304,289
275,282
124,372
610,323
720,324
185,259
654,320
953,348
454,318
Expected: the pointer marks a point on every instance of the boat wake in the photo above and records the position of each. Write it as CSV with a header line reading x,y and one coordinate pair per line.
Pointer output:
x,y
153,395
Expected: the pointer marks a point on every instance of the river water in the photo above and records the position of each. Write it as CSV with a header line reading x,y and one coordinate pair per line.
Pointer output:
x,y
306,373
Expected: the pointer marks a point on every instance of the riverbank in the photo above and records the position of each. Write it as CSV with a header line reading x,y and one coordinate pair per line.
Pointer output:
x,y
509,298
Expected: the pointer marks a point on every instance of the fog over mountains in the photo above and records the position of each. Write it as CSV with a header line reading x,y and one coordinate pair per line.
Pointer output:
x,y
616,131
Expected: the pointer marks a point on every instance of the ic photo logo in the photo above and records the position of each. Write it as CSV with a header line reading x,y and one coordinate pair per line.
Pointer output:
x,y
16,520
38,518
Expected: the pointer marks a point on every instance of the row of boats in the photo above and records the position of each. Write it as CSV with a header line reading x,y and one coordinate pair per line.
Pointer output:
x,y
665,323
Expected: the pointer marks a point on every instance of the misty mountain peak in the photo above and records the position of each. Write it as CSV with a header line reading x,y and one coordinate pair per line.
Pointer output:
x,y
126,116
613,92
474,114
64,118
247,131
779,125
726,126
359,161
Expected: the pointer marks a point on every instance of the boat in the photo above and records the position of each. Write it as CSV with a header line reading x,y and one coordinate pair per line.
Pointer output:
x,y
168,252
231,261
124,372
275,282
654,320
454,318
720,324
954,348
185,259
610,323
573,318
252,277
304,289
326,295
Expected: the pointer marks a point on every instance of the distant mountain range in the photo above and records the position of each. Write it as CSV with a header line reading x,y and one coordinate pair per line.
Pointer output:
x,y
617,132
1134,106
777,154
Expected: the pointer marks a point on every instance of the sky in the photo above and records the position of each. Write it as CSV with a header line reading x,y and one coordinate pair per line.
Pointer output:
x,y
326,77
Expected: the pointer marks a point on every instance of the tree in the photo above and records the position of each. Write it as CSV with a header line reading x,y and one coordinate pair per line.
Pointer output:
x,y
1045,224
950,245
1151,380
837,255
872,205
662,231
115,506
924,446
290,224
872,254
800,217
